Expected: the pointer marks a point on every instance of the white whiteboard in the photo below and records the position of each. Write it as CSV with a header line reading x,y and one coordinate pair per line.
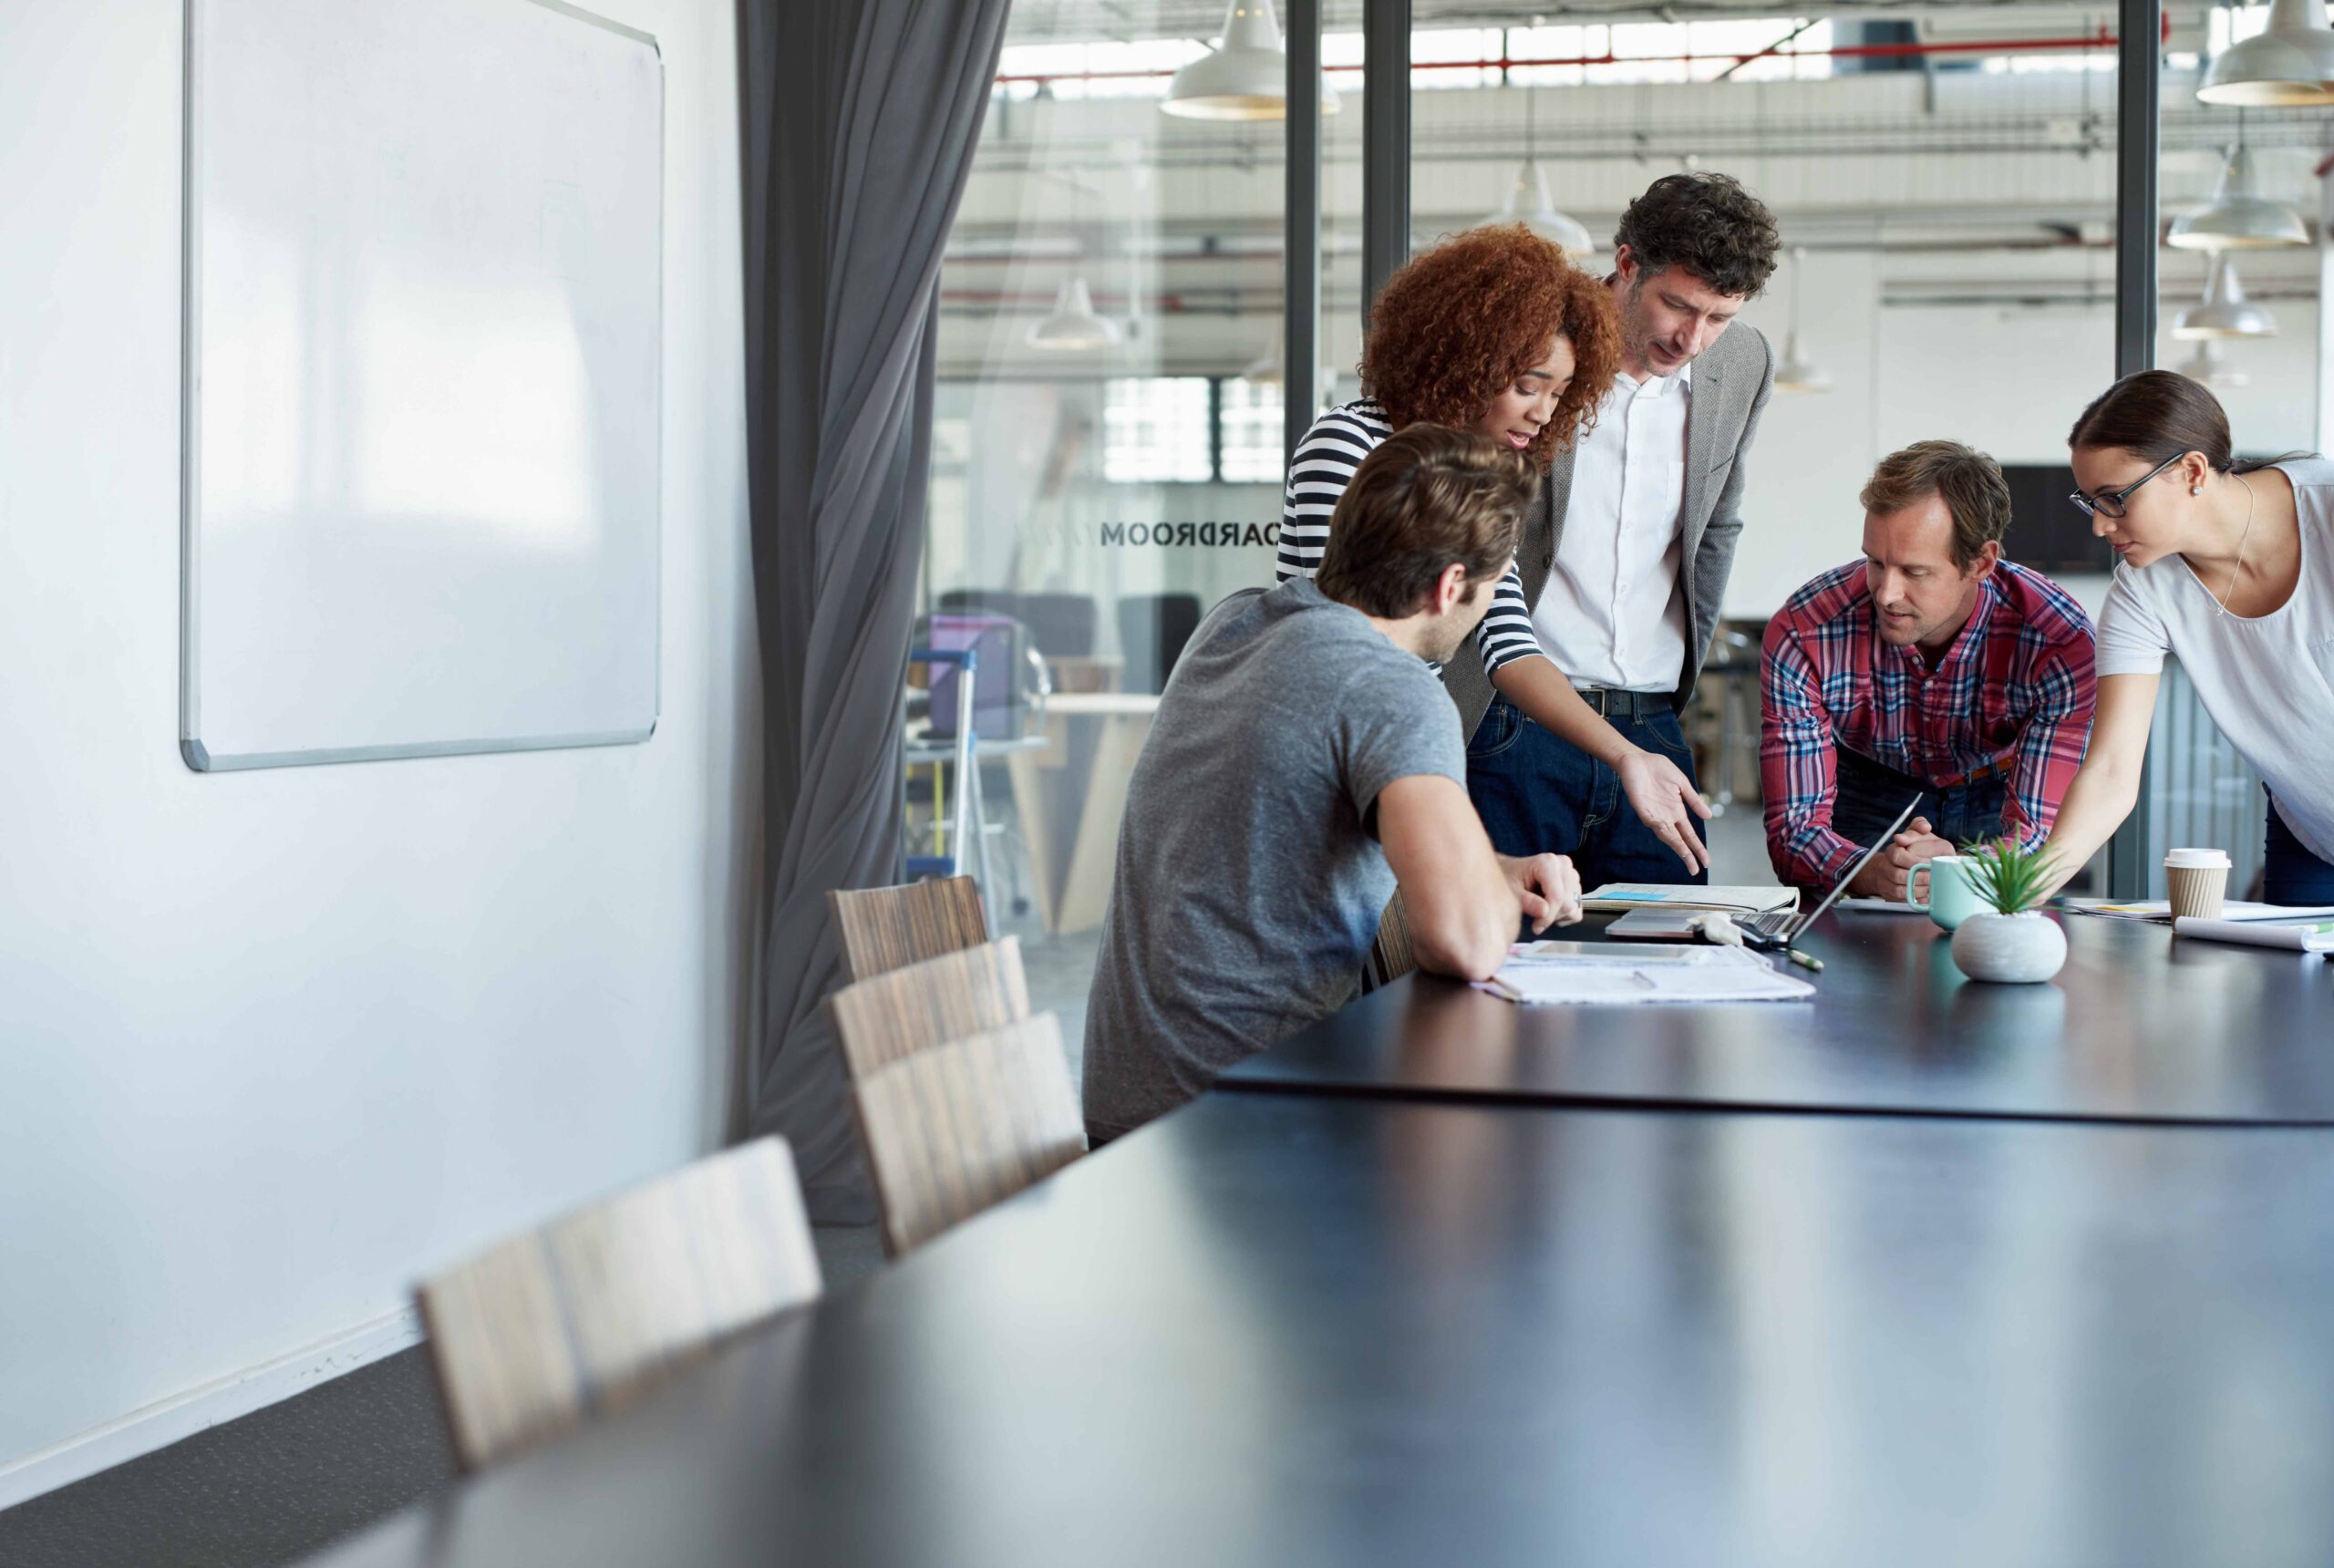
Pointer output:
x,y
422,317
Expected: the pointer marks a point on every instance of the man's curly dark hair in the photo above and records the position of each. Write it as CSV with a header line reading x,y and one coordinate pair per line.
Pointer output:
x,y
1708,224
1456,323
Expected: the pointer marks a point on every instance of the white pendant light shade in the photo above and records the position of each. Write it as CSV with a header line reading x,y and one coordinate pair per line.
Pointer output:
x,y
1796,374
2238,218
1271,368
1246,76
1527,203
1268,368
1073,324
2289,64
2206,366
2225,313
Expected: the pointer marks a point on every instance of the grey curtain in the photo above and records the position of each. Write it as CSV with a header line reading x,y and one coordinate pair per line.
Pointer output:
x,y
859,120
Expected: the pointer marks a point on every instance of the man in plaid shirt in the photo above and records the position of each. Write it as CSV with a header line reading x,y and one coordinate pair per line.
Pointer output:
x,y
1933,667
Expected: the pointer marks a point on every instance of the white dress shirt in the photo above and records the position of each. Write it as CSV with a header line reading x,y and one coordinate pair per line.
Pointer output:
x,y
1614,612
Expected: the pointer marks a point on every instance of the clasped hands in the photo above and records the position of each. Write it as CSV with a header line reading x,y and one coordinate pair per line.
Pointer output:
x,y
1889,874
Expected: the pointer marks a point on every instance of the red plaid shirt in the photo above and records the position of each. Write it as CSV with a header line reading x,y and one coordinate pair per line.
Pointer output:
x,y
2019,679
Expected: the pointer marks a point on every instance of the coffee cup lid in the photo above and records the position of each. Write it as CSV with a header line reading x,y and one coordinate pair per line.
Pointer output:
x,y
2196,857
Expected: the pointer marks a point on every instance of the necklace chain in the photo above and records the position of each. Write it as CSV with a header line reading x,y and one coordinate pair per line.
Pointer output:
x,y
2238,570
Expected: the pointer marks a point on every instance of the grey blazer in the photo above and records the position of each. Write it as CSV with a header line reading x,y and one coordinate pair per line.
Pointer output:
x,y
1732,381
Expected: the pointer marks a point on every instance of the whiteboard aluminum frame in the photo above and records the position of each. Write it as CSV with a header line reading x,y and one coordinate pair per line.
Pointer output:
x,y
196,753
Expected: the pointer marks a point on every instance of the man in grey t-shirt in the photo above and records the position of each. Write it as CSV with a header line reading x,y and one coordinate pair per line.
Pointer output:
x,y
1312,703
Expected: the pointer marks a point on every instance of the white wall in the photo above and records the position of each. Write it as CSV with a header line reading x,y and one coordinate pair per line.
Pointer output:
x,y
273,1044
1814,449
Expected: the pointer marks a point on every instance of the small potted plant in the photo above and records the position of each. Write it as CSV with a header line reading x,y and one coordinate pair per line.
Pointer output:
x,y
2010,939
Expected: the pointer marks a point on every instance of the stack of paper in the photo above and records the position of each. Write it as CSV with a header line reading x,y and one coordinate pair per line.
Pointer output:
x,y
2299,936
1686,896
2158,910
1580,973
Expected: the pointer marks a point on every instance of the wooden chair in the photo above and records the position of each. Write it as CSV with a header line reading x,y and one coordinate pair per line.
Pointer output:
x,y
542,1332
911,1008
958,1127
1391,956
881,928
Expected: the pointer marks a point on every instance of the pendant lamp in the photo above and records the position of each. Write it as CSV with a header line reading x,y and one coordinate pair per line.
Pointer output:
x,y
1527,194
2289,64
1527,203
1795,374
1271,368
2238,217
1074,325
2206,366
1245,77
2226,311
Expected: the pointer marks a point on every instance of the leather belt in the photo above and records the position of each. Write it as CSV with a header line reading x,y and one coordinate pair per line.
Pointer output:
x,y
1611,704
1998,768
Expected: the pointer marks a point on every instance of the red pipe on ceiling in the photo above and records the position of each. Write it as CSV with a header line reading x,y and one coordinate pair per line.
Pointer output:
x,y
2101,37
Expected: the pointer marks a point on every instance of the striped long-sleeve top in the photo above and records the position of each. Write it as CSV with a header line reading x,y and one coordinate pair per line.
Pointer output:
x,y
1332,449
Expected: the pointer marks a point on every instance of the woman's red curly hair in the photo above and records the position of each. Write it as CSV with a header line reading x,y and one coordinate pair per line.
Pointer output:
x,y
1457,324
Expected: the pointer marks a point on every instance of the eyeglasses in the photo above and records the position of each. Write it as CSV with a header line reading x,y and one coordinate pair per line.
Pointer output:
x,y
2111,503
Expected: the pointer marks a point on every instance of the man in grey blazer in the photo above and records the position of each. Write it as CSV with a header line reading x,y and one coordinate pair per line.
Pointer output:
x,y
1625,561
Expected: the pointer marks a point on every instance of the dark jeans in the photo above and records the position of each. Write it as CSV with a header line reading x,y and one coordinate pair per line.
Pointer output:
x,y
2289,872
1869,794
1536,793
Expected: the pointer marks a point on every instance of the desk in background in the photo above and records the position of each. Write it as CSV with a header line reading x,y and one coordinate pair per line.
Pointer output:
x,y
1071,794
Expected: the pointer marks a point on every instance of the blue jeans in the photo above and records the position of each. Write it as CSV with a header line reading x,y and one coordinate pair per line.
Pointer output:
x,y
2289,872
1868,795
1536,793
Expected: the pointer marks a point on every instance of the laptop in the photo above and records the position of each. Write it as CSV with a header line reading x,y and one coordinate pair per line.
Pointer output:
x,y
1782,927
1773,928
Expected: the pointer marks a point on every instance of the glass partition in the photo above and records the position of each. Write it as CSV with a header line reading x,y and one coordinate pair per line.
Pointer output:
x,y
1108,458
2243,200
1945,183
1110,451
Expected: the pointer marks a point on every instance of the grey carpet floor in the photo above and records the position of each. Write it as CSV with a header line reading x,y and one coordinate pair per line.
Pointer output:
x,y
265,1489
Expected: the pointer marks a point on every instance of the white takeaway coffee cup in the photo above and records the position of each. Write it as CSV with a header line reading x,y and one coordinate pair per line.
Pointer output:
x,y
2196,880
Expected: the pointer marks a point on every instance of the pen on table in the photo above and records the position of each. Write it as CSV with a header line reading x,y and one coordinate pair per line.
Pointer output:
x,y
1813,966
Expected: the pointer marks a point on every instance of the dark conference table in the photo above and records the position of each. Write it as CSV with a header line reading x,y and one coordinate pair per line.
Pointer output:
x,y
1288,1330
2139,1025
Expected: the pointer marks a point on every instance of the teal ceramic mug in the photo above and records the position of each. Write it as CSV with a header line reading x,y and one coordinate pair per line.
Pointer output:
x,y
1945,892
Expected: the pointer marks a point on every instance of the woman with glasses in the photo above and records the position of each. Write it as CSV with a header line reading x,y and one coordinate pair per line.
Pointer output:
x,y
2228,567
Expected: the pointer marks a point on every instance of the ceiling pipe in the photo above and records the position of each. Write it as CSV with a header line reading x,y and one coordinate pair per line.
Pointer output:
x,y
2100,37
1270,256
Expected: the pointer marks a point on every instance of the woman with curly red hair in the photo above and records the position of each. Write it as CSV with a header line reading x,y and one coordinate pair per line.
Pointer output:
x,y
1492,331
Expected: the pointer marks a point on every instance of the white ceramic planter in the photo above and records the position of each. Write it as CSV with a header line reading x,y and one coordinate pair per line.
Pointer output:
x,y
2012,948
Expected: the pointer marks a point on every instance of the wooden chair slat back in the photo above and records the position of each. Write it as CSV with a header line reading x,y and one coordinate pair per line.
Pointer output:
x,y
537,1334
892,1016
953,1130
1391,956
878,929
